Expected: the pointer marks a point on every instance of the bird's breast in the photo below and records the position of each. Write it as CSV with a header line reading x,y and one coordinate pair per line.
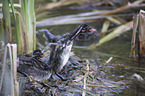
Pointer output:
x,y
65,55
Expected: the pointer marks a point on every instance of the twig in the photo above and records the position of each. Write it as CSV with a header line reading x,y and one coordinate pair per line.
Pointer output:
x,y
91,85
109,59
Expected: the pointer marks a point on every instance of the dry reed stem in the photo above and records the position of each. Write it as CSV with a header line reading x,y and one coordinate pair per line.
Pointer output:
x,y
85,78
133,5
14,70
135,24
105,26
14,90
115,21
3,68
141,36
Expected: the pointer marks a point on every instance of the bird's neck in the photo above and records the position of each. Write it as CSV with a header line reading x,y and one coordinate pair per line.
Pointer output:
x,y
75,33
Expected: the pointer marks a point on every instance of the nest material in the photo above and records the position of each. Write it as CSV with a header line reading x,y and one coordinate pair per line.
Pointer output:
x,y
85,78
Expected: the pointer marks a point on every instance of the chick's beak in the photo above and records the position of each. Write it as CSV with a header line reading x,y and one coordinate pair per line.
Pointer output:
x,y
41,55
92,29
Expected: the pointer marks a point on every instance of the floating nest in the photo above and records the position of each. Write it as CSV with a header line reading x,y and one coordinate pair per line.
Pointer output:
x,y
85,78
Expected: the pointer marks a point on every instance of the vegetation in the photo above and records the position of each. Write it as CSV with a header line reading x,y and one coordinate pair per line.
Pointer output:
x,y
90,78
24,22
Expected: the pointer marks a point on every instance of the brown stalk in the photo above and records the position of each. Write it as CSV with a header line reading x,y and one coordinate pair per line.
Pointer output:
x,y
135,24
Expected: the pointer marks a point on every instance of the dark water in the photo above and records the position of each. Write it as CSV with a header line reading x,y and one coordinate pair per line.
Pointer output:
x,y
120,69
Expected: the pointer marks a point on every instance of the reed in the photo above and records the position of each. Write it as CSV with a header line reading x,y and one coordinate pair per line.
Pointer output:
x,y
9,85
18,29
28,18
6,21
135,25
141,36
24,21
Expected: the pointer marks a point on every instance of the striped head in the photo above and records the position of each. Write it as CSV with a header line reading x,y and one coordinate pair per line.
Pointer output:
x,y
37,53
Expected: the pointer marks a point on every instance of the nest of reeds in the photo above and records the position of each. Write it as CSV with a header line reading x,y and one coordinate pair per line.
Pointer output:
x,y
85,77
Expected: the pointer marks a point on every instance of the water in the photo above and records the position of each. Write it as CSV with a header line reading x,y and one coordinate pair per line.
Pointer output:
x,y
119,70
